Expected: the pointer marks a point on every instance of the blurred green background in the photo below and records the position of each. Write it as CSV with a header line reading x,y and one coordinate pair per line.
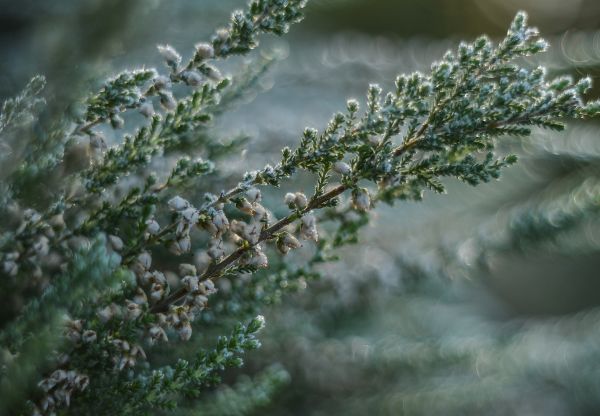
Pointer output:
x,y
482,301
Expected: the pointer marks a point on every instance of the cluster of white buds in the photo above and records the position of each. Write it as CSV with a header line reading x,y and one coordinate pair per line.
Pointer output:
x,y
156,333
180,318
198,291
127,355
74,329
157,284
187,217
217,224
342,168
142,263
296,200
286,242
308,228
58,389
361,199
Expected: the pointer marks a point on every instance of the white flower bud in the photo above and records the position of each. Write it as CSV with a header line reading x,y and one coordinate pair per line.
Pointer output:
x,y
209,287
144,260
289,199
245,206
157,292
178,203
300,200
156,333
161,82
213,73
253,195
187,269
215,249
185,331
190,215
147,109
115,242
342,168
192,78
375,140
260,213
169,54
257,258
167,100
361,199
152,227
308,228
132,310
108,312
252,232
220,221
181,245
191,283
204,51
286,242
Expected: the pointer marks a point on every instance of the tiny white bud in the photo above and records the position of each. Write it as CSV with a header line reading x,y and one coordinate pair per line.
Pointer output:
x,y
192,78
375,140
289,198
204,51
178,203
254,195
170,54
245,206
132,310
258,259
191,283
185,331
361,199
152,227
187,269
191,215
342,168
115,242
215,249
161,82
308,228
300,200
213,73
144,259
167,100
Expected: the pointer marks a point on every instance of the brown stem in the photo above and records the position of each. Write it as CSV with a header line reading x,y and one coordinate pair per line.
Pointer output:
x,y
215,270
